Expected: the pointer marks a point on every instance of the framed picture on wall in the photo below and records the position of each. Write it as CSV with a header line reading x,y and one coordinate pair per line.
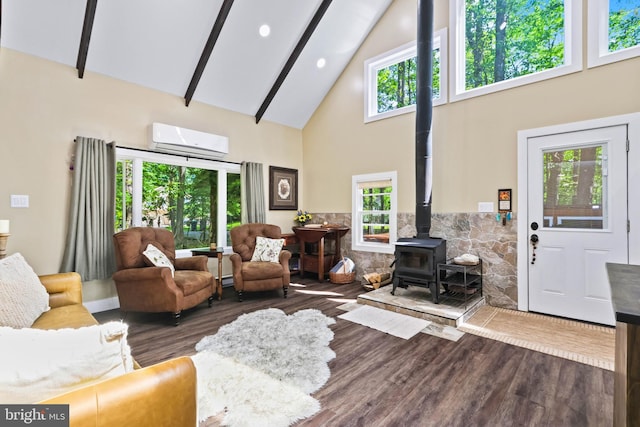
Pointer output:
x,y
283,189
504,200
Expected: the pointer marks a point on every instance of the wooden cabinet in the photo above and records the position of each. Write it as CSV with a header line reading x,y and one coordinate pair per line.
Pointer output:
x,y
320,248
292,245
624,281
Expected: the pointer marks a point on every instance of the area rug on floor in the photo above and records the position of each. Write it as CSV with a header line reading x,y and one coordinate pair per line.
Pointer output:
x,y
261,368
389,322
437,330
581,342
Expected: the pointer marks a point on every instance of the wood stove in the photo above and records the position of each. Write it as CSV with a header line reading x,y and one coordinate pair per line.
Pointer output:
x,y
416,263
417,259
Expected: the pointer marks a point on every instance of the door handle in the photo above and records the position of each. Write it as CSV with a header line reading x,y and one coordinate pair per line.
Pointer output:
x,y
534,240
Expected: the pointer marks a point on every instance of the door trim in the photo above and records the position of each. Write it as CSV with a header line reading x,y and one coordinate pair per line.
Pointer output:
x,y
632,121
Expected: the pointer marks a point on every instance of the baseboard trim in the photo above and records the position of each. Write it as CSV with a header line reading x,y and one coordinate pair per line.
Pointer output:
x,y
102,304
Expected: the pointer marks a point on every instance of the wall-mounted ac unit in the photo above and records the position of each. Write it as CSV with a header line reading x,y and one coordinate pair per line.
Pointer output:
x,y
187,142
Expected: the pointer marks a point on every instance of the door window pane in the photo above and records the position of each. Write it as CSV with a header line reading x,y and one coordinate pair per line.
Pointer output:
x,y
574,188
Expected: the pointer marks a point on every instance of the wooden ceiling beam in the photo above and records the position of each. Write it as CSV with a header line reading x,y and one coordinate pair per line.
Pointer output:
x,y
87,26
293,57
208,48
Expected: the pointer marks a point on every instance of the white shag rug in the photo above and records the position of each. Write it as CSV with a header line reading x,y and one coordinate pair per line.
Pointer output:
x,y
261,367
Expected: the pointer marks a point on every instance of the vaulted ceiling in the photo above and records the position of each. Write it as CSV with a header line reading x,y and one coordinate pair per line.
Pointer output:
x,y
208,51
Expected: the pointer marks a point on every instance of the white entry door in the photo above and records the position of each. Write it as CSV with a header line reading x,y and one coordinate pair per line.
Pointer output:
x,y
577,221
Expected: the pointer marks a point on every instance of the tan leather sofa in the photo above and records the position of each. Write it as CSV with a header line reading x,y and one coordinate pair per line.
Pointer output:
x,y
160,395
65,300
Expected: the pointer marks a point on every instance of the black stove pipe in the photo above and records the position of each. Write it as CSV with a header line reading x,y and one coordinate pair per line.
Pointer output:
x,y
424,112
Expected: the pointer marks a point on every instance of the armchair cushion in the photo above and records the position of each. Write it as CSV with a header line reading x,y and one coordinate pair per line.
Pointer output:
x,y
260,270
157,258
22,297
243,237
267,249
130,243
192,281
198,262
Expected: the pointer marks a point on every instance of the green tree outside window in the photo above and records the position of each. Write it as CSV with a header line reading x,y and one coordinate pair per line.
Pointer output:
x,y
624,24
397,83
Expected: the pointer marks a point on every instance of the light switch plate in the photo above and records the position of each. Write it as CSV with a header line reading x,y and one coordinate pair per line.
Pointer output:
x,y
19,201
485,206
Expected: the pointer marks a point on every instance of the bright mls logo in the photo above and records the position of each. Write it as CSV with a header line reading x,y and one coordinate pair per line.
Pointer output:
x,y
34,415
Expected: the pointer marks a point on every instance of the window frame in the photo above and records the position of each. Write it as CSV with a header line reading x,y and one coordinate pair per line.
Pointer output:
x,y
393,56
357,242
598,37
223,168
572,53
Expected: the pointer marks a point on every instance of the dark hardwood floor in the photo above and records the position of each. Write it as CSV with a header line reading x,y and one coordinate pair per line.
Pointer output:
x,y
380,380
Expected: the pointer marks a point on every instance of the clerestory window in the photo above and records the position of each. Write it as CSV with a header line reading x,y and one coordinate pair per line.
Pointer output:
x,y
390,79
614,31
500,44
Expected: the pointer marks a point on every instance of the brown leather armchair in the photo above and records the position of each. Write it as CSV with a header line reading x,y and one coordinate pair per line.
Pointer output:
x,y
252,276
143,287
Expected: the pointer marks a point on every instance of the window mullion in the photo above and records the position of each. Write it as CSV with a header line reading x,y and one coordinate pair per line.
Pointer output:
x,y
136,193
221,232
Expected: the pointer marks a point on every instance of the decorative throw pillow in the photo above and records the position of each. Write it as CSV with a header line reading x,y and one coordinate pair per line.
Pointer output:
x,y
36,364
23,298
158,258
267,249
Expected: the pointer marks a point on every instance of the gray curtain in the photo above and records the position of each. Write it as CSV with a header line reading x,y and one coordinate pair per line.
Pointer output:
x,y
252,193
89,244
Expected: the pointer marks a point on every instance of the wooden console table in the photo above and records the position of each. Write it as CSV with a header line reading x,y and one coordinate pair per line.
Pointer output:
x,y
216,253
292,245
624,280
319,262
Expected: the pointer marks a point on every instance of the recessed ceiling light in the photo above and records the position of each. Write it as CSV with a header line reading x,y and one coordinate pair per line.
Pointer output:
x,y
264,30
321,63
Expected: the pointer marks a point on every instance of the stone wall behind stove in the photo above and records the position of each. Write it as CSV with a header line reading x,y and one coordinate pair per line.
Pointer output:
x,y
475,233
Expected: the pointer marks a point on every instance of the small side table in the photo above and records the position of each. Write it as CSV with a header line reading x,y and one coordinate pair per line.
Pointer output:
x,y
292,245
467,278
216,253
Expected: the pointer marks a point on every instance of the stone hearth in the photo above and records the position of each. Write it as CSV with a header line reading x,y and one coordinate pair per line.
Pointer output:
x,y
475,233
416,301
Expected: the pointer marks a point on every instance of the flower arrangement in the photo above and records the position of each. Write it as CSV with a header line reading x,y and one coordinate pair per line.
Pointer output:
x,y
302,217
